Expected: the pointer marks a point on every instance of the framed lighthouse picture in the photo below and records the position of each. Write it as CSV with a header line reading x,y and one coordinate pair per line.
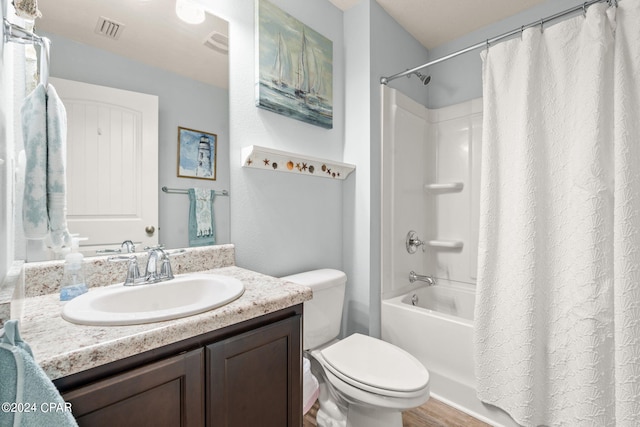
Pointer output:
x,y
197,154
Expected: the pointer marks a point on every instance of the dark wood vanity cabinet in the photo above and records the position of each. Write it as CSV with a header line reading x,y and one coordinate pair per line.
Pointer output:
x,y
165,393
249,380
244,375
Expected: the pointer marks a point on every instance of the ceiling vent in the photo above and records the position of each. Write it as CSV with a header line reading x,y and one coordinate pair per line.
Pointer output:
x,y
109,28
218,42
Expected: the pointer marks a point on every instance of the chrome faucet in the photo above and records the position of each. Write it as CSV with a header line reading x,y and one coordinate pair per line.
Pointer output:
x,y
127,247
158,266
418,277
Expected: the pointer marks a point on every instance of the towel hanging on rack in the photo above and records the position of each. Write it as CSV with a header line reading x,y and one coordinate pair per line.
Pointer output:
x,y
44,126
24,382
186,191
45,48
202,229
56,170
34,130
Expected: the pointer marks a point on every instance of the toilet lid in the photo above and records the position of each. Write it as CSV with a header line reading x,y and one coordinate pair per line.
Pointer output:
x,y
376,363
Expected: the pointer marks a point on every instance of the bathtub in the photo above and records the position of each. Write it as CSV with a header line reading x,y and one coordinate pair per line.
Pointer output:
x,y
435,324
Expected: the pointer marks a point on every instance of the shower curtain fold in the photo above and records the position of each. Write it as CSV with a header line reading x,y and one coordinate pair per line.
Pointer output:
x,y
557,329
626,298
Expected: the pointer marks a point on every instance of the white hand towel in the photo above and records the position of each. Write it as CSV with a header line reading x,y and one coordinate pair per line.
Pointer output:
x,y
203,212
34,130
44,127
56,170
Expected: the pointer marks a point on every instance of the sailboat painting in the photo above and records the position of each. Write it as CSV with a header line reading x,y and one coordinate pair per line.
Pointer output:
x,y
295,67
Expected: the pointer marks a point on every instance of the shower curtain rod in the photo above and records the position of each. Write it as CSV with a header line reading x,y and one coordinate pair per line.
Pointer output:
x,y
486,43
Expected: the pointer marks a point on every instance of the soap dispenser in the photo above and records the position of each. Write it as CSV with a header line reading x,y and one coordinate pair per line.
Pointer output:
x,y
73,283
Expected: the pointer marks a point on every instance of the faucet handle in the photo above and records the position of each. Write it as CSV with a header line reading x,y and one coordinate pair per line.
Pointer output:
x,y
133,272
127,247
122,258
151,248
413,242
165,269
108,251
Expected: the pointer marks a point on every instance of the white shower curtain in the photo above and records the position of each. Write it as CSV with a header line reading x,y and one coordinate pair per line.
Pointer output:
x,y
557,337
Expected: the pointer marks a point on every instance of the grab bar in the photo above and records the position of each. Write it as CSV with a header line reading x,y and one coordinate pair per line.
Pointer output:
x,y
419,277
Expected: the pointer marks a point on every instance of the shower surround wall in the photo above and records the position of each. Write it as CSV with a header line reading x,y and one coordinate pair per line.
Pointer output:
x,y
423,147
431,176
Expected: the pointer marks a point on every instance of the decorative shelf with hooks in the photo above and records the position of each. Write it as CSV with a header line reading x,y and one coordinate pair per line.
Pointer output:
x,y
264,158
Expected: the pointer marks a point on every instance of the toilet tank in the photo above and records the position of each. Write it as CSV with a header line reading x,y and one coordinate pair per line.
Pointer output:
x,y
323,314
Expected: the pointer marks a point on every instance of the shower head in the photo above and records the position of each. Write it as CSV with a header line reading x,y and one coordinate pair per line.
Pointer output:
x,y
423,78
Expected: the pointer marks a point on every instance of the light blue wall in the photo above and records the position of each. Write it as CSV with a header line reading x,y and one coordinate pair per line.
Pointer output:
x,y
394,50
182,102
460,79
376,45
357,194
283,223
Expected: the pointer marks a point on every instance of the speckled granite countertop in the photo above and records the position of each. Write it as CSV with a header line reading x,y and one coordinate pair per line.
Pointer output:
x,y
63,348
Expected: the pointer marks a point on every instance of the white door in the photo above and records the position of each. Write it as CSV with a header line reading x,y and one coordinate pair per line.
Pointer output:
x,y
112,164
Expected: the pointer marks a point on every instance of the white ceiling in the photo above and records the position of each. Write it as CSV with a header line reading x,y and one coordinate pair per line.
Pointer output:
x,y
434,22
153,34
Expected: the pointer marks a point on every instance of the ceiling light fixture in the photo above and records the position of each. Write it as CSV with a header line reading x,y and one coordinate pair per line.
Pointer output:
x,y
189,11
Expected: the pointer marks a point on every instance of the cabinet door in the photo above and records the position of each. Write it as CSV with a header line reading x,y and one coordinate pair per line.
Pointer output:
x,y
165,393
254,379
112,159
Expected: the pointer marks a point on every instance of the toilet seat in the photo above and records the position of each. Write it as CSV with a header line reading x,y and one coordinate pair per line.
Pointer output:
x,y
360,397
376,366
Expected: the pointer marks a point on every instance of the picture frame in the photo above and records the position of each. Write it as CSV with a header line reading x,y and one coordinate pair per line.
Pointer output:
x,y
294,67
197,154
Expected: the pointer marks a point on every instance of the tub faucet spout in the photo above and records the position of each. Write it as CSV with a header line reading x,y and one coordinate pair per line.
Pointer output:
x,y
419,277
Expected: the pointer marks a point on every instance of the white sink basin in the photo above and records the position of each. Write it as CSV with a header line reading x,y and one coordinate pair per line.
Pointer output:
x,y
130,305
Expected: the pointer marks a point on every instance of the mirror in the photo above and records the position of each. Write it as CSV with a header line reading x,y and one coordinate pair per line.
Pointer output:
x,y
142,46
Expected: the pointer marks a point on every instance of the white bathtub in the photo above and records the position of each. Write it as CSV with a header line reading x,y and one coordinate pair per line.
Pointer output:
x,y
438,330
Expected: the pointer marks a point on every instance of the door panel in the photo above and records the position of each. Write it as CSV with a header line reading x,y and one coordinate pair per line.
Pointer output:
x,y
112,164
165,393
254,379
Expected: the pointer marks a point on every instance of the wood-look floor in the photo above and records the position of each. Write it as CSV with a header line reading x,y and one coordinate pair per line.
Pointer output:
x,y
432,414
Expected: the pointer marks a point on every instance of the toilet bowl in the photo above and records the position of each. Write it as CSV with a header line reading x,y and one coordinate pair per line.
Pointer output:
x,y
364,381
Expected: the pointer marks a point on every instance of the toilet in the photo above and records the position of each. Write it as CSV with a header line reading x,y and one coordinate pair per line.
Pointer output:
x,y
364,381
